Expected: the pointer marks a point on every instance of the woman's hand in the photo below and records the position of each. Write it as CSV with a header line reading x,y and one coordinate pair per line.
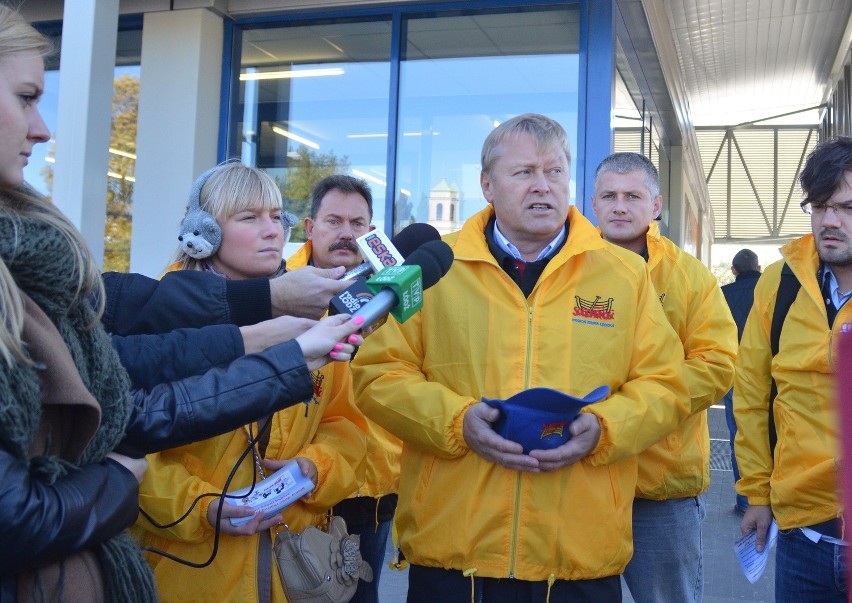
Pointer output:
x,y
262,335
333,338
306,465
257,523
136,466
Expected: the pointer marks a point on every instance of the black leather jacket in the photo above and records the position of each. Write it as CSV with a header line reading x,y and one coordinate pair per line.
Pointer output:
x,y
183,298
42,523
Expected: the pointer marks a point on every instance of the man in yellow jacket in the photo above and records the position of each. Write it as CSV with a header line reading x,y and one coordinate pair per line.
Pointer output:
x,y
673,473
798,483
342,211
534,298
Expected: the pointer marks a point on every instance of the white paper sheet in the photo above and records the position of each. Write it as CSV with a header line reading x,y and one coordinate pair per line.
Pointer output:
x,y
753,563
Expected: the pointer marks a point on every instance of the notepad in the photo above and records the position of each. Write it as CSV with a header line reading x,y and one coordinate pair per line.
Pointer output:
x,y
276,492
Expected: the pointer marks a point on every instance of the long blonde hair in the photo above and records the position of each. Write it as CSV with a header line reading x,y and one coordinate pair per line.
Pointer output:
x,y
232,188
18,36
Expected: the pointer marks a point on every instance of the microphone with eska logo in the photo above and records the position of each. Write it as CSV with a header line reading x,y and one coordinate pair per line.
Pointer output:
x,y
380,254
398,290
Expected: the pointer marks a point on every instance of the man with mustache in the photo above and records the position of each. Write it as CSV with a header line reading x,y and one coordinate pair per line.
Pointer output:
x,y
341,211
798,484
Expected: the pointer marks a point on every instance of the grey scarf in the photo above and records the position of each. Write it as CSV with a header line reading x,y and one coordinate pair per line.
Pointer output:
x,y
39,259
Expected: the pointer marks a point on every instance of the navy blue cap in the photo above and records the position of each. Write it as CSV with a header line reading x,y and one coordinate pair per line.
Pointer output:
x,y
538,418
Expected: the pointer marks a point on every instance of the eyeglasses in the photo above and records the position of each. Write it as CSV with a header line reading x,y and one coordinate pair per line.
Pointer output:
x,y
841,210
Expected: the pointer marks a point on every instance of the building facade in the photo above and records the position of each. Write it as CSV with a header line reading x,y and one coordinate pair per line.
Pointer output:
x,y
399,93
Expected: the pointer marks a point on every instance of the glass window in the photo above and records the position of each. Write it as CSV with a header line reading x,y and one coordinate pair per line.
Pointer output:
x,y
313,101
634,130
461,75
122,145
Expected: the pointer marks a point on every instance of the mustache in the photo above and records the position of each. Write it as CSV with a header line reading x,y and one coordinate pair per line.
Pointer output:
x,y
833,232
343,244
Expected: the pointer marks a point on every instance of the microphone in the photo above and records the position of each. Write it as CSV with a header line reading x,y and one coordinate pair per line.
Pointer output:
x,y
381,252
358,294
399,289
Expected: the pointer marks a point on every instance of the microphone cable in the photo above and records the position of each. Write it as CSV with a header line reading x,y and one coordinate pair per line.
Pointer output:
x,y
222,495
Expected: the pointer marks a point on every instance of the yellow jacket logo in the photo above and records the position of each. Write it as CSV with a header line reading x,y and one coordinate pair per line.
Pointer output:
x,y
318,378
549,429
596,308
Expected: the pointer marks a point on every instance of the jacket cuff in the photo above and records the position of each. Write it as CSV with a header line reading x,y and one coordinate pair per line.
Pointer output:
x,y
598,455
249,301
458,426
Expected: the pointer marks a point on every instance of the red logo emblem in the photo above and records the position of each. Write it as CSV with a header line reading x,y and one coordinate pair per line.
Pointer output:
x,y
597,308
549,429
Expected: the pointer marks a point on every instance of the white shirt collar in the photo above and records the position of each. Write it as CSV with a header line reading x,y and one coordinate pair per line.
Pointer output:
x,y
507,246
834,288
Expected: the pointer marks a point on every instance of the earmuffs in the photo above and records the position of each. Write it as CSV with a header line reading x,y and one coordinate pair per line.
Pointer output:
x,y
200,234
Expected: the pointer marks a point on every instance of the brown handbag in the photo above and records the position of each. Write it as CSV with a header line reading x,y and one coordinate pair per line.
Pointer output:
x,y
318,566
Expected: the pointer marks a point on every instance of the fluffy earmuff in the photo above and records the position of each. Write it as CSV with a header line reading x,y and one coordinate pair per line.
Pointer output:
x,y
200,234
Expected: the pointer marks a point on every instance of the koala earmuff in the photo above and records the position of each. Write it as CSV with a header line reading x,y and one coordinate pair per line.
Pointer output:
x,y
200,234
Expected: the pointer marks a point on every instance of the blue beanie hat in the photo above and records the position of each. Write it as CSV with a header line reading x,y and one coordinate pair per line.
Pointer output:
x,y
539,418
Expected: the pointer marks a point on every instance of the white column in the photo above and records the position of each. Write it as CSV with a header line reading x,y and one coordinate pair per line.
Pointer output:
x,y
89,29
178,126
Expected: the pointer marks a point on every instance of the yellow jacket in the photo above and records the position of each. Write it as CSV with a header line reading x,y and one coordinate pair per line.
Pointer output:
x,y
381,465
800,483
329,431
679,464
593,318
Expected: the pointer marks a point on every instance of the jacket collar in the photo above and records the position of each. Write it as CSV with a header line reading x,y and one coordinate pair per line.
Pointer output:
x,y
748,275
470,244
302,257
654,244
801,255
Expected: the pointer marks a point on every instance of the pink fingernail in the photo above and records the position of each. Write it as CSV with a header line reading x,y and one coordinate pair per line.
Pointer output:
x,y
333,354
358,320
338,347
353,339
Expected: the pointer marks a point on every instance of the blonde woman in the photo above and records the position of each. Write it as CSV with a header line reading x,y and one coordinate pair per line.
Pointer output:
x,y
325,436
69,425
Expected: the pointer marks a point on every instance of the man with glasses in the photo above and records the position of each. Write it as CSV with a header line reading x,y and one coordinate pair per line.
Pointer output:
x,y
798,484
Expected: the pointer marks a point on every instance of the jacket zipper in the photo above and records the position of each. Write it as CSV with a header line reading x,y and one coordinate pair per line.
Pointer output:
x,y
516,506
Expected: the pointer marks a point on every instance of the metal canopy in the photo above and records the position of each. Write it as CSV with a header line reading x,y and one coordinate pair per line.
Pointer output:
x,y
744,60
750,69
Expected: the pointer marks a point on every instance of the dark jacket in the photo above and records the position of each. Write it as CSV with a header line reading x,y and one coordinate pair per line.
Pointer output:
x,y
239,390
141,314
184,298
154,359
147,319
96,501
740,297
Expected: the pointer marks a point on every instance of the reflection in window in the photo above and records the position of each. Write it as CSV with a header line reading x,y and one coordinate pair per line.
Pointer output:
x,y
634,129
122,145
313,101
461,76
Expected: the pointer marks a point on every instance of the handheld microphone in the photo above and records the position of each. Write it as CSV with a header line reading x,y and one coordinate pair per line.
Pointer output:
x,y
358,294
400,288
381,252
